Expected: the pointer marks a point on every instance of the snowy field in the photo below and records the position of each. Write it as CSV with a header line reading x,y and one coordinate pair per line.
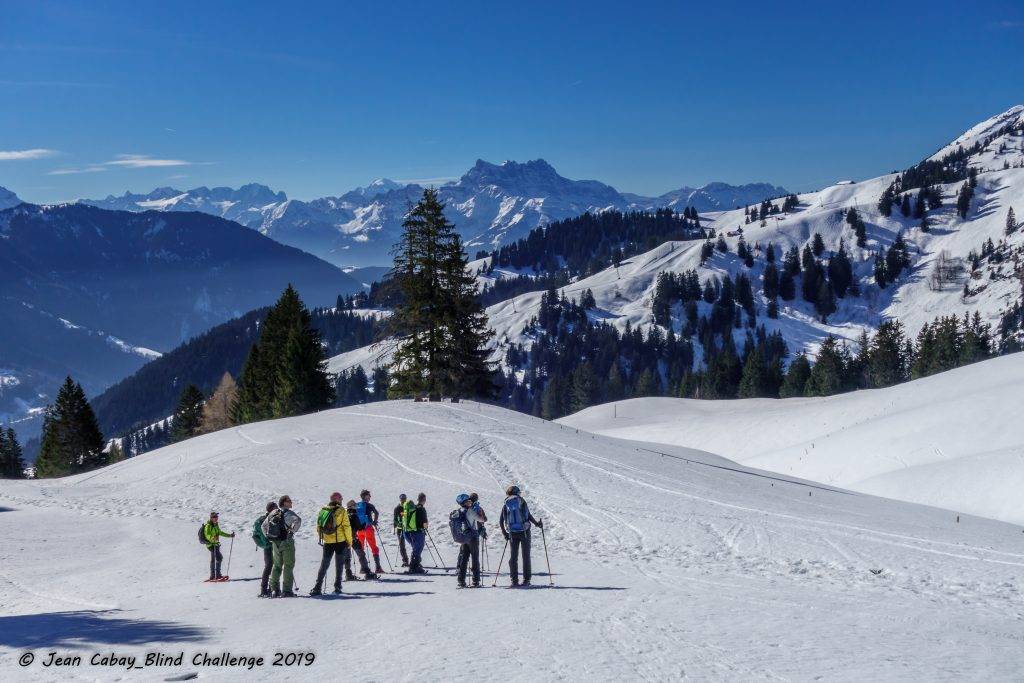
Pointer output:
x,y
953,440
665,567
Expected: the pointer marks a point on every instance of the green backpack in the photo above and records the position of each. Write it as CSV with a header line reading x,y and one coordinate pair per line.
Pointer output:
x,y
257,533
326,524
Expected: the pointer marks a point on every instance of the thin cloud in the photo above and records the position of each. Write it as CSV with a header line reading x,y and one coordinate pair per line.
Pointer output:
x,y
428,181
27,154
144,161
1006,24
74,171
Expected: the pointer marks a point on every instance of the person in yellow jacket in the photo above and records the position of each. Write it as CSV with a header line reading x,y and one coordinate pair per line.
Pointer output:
x,y
335,533
212,534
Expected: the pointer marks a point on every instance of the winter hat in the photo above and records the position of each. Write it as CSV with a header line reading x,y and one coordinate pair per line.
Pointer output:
x,y
335,497
461,498
271,506
402,496
214,514
512,490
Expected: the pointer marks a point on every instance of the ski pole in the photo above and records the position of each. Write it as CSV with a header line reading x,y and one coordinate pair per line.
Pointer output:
x,y
497,572
444,565
231,547
544,536
380,540
430,552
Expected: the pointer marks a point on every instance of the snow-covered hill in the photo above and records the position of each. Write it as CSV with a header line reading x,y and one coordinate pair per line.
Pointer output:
x,y
491,204
953,440
665,567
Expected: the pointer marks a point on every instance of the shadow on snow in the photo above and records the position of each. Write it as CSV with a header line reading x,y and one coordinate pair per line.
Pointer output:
x,y
91,627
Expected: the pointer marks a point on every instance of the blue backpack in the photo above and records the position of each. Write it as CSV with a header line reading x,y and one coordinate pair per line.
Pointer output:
x,y
364,518
459,525
514,514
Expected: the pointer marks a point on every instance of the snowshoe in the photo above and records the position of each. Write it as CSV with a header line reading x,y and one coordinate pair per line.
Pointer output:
x,y
221,579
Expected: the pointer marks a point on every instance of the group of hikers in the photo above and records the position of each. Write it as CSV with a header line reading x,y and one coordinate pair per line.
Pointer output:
x,y
353,526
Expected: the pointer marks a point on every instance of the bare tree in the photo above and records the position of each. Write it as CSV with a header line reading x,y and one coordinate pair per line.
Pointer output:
x,y
946,271
217,409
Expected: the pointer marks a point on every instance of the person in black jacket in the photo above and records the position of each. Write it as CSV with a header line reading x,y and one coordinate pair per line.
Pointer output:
x,y
515,527
268,557
399,527
357,526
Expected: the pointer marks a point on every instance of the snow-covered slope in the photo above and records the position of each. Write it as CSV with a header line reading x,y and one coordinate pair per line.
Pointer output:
x,y
8,199
491,204
665,567
953,440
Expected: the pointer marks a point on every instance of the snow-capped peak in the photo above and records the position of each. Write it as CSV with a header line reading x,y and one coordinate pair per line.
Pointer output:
x,y
8,199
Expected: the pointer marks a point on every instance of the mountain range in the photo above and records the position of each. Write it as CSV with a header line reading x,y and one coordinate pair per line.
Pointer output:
x,y
96,294
491,204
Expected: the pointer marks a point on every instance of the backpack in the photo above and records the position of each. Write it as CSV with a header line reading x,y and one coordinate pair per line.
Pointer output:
x,y
364,518
514,515
202,534
257,533
326,523
409,516
278,530
457,522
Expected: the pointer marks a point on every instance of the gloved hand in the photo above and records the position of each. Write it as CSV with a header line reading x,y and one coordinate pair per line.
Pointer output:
x,y
505,534
540,523
231,535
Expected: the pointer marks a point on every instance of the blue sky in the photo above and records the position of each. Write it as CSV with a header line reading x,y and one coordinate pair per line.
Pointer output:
x,y
314,99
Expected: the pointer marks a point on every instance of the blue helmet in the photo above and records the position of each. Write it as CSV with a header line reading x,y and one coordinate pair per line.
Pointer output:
x,y
461,498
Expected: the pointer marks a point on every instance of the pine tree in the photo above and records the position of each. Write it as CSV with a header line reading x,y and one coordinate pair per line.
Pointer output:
x,y
905,205
188,415
441,324
467,372
817,245
71,440
825,303
754,382
827,374
217,409
615,388
114,453
585,388
796,378
787,286
285,373
647,384
887,363
12,463
1011,222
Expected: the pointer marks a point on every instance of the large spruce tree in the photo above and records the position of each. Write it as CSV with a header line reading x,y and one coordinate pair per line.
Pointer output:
x,y
285,373
440,323
71,440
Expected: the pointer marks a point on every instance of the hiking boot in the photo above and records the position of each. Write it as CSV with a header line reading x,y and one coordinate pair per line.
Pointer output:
x,y
476,583
461,584
316,591
378,569
515,583
370,576
265,594
526,582
288,594
349,576
337,590
276,593
405,563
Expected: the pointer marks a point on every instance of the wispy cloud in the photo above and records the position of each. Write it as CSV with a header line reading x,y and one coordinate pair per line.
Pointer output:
x,y
144,161
1006,23
27,154
73,171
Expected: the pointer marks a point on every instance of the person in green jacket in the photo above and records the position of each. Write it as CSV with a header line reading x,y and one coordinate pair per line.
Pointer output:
x,y
212,534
